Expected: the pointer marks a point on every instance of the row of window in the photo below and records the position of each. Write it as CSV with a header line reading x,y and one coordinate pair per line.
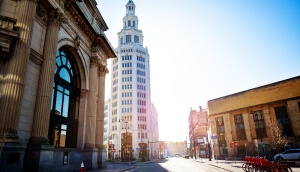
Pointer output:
x,y
115,74
140,59
127,57
142,118
127,87
126,110
142,126
115,67
141,102
129,21
142,135
115,81
127,79
142,110
114,127
114,104
115,89
126,102
126,72
113,120
143,95
129,64
141,80
127,94
141,87
115,96
142,73
142,66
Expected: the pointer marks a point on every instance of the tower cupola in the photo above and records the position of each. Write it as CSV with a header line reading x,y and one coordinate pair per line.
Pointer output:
x,y
130,8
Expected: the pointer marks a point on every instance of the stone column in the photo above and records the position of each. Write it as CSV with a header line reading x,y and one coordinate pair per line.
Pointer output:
x,y
92,105
102,70
39,134
13,86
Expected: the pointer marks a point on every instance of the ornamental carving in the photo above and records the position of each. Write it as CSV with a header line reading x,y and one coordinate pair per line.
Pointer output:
x,y
77,42
41,12
94,61
56,17
102,70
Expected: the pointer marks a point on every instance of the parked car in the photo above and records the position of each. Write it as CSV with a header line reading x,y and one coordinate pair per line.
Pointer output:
x,y
291,154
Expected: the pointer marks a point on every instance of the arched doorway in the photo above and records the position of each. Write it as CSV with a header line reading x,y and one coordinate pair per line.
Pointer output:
x,y
64,105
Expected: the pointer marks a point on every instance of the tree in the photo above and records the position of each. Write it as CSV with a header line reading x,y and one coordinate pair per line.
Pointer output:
x,y
277,138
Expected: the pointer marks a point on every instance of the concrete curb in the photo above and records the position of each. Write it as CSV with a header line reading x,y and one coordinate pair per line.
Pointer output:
x,y
221,167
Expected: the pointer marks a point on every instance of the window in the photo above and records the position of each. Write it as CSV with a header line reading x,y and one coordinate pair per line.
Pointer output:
x,y
259,122
128,38
64,113
221,135
239,127
136,39
283,119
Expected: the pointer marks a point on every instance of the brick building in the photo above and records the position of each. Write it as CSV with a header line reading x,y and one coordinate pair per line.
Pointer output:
x,y
248,117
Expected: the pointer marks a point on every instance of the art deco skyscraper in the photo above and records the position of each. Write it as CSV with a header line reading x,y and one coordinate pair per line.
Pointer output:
x,y
130,117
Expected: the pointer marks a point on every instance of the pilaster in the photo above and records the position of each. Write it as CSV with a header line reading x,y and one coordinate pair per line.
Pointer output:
x,y
13,84
102,71
39,134
92,105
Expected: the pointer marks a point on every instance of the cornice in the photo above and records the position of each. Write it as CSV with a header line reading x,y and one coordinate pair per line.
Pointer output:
x,y
72,11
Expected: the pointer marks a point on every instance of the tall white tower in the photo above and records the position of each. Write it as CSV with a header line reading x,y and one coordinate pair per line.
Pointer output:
x,y
130,94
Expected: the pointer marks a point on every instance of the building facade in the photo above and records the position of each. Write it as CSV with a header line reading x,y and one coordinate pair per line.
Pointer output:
x,y
52,76
131,116
249,118
198,133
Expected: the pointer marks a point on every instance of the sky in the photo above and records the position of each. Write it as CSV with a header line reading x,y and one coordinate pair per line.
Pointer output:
x,y
205,49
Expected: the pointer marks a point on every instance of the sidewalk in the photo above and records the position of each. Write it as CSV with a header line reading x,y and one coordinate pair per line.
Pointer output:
x,y
115,167
232,166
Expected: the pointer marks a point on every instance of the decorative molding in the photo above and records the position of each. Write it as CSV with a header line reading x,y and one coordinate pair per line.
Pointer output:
x,y
36,58
8,33
77,18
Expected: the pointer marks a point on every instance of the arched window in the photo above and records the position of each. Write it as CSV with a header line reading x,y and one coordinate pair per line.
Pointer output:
x,y
64,106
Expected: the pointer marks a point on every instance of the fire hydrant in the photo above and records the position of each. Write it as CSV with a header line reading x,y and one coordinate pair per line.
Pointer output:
x,y
82,168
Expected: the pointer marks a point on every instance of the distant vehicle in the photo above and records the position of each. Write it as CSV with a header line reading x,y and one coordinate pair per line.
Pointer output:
x,y
186,156
291,154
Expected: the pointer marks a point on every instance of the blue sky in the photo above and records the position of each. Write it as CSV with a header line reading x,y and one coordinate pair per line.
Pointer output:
x,y
206,49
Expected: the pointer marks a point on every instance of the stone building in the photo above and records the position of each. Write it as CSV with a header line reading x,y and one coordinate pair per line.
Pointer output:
x,y
249,117
53,57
